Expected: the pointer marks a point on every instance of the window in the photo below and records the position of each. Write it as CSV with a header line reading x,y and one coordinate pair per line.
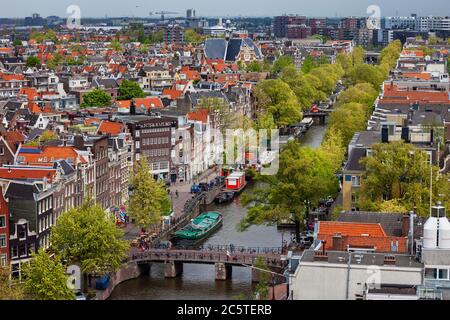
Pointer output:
x,y
3,260
2,221
2,151
356,181
22,250
443,274
2,241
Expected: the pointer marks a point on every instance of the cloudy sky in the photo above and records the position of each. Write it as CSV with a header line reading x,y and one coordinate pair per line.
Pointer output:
x,y
330,8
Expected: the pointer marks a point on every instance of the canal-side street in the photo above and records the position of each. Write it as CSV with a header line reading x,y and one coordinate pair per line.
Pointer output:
x,y
197,281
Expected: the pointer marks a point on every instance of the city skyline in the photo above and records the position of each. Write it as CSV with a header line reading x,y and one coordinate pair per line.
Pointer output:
x,y
233,8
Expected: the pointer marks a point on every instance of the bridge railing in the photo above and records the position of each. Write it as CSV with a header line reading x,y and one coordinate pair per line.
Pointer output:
x,y
230,249
207,257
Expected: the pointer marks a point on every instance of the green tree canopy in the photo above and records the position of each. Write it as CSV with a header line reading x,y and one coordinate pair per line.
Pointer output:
x,y
8,289
116,45
277,98
46,278
398,171
130,90
368,74
347,119
156,37
281,63
149,200
96,98
192,36
89,237
305,176
33,62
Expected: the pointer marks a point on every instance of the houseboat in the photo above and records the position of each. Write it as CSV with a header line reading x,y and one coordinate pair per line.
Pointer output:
x,y
235,182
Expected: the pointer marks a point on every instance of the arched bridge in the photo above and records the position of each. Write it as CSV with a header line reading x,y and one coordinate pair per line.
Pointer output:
x,y
223,257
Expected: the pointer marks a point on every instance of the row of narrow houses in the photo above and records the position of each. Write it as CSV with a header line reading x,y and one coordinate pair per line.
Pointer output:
x,y
55,153
395,256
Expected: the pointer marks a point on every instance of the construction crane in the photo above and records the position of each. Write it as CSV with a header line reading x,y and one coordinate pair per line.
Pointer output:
x,y
163,14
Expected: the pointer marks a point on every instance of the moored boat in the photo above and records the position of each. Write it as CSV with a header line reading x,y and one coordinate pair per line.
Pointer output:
x,y
201,227
224,197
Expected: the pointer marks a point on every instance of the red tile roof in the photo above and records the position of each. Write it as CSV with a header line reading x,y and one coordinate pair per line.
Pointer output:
x,y
149,102
111,128
391,92
199,115
351,228
359,235
172,93
27,173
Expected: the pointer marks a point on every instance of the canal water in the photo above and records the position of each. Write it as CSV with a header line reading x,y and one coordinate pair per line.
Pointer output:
x,y
197,281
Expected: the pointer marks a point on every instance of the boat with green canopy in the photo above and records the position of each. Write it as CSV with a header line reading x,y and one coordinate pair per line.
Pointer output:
x,y
201,227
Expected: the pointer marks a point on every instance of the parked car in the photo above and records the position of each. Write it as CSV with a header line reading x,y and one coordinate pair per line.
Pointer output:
x,y
195,188
204,186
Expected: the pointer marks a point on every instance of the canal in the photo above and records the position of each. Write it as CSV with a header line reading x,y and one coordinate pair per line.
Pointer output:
x,y
197,281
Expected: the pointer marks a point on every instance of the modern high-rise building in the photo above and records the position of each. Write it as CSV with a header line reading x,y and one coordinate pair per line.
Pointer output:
x,y
174,34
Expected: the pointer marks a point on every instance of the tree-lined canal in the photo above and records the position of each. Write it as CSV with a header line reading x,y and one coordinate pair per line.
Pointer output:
x,y
197,281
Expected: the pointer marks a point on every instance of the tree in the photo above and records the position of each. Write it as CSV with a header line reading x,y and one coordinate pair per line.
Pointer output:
x,y
129,90
149,201
89,237
362,93
433,40
277,98
191,36
55,61
400,173
33,62
156,37
367,73
17,43
46,278
308,64
116,45
281,63
262,288
8,289
96,98
305,176
334,148
347,119
254,66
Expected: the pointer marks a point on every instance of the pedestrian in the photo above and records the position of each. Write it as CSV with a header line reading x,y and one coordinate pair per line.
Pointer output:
x,y
176,193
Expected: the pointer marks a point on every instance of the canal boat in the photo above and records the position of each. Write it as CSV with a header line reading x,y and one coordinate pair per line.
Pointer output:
x,y
235,182
224,197
201,227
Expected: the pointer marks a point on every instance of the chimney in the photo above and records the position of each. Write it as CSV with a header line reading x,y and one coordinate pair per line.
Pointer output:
x,y
133,108
405,225
338,242
79,142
